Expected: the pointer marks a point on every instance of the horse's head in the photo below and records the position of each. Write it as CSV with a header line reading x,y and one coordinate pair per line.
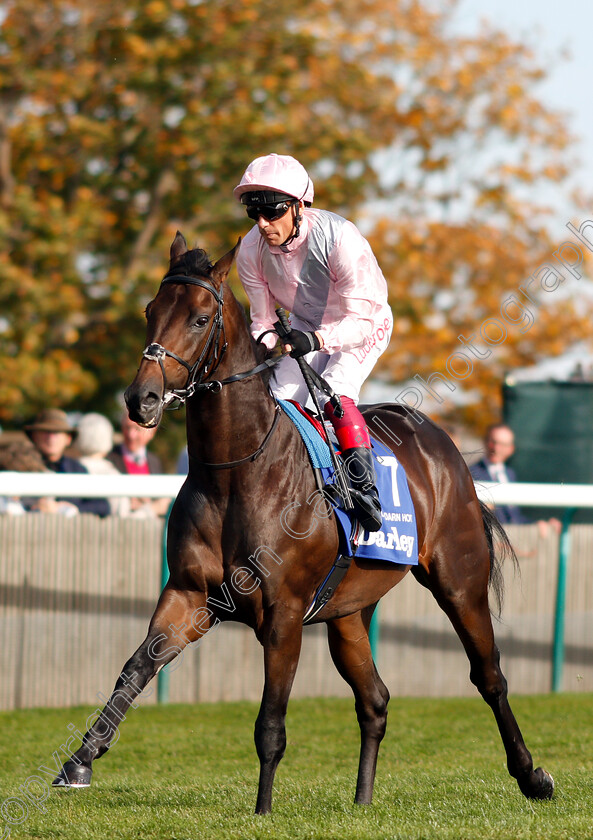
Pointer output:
x,y
185,338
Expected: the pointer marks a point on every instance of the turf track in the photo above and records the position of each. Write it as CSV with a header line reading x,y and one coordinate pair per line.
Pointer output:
x,y
189,772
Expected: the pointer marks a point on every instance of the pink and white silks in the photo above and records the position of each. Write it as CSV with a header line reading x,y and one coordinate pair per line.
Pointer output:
x,y
330,282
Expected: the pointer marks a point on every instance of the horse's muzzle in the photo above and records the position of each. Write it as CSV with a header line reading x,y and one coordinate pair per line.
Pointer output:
x,y
145,405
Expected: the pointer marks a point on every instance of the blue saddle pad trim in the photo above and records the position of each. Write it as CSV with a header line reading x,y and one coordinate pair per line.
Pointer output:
x,y
316,447
397,540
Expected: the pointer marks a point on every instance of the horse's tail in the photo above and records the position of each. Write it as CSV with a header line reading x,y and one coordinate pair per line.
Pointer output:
x,y
500,549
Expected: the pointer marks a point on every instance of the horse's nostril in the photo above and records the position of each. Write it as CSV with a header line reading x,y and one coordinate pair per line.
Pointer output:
x,y
150,401
142,405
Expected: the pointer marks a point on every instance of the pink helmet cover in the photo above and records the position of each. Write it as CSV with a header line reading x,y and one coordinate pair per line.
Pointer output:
x,y
281,173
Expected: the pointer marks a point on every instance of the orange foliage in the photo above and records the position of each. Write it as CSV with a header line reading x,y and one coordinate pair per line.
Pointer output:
x,y
120,123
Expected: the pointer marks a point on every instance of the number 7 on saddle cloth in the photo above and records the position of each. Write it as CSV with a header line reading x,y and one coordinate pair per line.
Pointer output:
x,y
397,540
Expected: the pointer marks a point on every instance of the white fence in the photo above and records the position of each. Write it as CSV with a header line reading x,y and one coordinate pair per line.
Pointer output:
x,y
82,485
76,596
160,486
537,495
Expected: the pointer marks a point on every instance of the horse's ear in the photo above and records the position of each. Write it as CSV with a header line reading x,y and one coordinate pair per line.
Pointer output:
x,y
178,248
223,266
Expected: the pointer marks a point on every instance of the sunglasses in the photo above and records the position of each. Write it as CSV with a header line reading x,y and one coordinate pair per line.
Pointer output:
x,y
270,212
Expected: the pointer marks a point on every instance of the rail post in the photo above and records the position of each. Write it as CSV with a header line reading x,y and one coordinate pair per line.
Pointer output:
x,y
163,675
374,634
559,615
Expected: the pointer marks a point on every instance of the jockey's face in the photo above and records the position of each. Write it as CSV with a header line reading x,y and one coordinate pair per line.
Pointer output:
x,y
278,231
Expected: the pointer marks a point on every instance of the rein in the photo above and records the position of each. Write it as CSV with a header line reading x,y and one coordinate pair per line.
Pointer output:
x,y
227,465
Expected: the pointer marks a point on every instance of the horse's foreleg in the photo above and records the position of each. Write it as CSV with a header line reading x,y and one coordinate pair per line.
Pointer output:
x,y
282,646
466,605
180,618
351,652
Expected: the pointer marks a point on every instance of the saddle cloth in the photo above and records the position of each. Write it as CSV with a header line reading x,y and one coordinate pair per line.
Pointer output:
x,y
397,540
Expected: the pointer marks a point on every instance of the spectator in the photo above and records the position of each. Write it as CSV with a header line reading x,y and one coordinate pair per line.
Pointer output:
x,y
20,456
500,445
52,434
94,443
182,466
132,457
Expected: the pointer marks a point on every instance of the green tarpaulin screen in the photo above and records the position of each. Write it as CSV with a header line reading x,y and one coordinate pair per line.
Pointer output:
x,y
553,426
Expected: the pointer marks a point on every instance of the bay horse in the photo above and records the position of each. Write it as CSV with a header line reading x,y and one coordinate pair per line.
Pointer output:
x,y
247,529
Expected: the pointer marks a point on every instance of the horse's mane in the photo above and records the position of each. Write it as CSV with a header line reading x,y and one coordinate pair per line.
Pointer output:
x,y
193,262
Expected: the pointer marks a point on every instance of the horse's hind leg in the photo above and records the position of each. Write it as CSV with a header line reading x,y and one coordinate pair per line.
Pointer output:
x,y
180,618
351,652
462,592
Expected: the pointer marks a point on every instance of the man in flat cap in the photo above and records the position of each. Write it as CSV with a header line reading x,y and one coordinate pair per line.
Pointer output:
x,y
51,434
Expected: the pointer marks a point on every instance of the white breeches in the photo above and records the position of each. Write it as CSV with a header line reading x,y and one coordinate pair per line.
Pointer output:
x,y
344,371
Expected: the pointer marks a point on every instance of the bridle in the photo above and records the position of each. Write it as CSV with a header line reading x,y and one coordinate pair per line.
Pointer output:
x,y
208,360
210,357
206,364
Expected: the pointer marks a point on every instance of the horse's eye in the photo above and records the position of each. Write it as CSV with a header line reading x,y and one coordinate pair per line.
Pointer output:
x,y
202,321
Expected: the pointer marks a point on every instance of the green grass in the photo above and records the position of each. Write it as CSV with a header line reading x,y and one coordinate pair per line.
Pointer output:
x,y
189,772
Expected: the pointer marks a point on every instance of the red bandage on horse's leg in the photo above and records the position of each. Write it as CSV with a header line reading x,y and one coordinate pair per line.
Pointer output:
x,y
351,430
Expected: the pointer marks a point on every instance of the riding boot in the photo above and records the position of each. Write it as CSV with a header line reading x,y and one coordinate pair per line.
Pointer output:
x,y
361,472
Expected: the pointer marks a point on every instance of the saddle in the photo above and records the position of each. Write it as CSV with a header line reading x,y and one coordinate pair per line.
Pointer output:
x,y
396,542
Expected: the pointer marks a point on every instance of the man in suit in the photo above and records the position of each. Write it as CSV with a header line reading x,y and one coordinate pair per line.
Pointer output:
x,y
500,445
132,457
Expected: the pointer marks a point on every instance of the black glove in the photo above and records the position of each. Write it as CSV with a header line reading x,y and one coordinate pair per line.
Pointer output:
x,y
301,343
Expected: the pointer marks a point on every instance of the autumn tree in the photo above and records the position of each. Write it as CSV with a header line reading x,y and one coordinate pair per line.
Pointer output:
x,y
120,123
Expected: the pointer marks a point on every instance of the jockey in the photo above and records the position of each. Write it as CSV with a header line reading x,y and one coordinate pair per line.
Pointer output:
x,y
319,267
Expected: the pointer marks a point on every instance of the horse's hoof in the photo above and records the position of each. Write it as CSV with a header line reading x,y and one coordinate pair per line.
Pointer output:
x,y
539,785
73,775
